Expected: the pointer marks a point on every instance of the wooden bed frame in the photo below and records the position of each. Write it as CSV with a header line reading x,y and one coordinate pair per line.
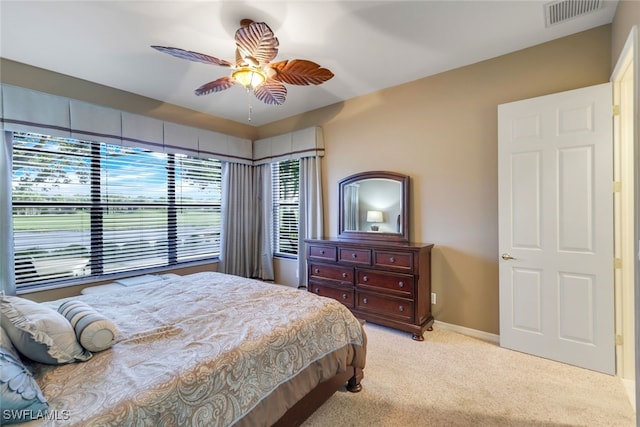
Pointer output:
x,y
306,406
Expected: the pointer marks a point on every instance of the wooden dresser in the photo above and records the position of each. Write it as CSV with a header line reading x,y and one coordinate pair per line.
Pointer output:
x,y
384,283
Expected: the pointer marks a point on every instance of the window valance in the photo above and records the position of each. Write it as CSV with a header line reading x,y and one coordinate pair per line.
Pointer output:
x,y
307,142
26,110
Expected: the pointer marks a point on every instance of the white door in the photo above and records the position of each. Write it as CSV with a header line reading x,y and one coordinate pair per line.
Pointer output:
x,y
555,171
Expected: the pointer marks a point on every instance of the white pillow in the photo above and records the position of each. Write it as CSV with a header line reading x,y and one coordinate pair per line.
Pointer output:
x,y
94,331
138,280
39,332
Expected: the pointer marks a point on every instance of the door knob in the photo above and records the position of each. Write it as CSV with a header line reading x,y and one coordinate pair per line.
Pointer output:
x,y
507,257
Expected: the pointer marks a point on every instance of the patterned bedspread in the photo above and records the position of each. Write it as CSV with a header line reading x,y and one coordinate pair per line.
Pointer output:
x,y
203,349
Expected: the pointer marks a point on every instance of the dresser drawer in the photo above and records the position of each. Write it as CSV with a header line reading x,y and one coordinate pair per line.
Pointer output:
x,y
331,273
402,261
385,305
354,256
400,284
345,296
323,253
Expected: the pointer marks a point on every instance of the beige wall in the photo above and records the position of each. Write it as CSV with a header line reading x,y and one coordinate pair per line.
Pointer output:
x,y
286,271
627,15
442,131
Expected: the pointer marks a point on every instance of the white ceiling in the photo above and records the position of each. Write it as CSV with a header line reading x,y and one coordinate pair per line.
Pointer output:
x,y
369,45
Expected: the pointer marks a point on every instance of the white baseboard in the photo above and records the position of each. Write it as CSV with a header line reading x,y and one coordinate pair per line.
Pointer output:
x,y
485,336
630,386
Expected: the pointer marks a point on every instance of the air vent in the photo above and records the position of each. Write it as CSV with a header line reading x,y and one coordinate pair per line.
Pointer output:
x,y
559,11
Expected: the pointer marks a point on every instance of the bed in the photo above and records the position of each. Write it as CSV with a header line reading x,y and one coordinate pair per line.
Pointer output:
x,y
207,349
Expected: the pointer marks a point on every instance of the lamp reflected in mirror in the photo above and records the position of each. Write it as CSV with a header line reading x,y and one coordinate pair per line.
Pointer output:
x,y
374,217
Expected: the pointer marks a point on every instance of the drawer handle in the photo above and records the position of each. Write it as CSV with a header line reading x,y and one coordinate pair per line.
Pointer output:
x,y
345,275
392,260
401,308
316,270
344,296
365,301
365,279
401,284
321,251
317,290
354,255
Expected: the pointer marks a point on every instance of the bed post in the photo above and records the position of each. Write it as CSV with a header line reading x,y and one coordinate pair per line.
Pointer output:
x,y
354,385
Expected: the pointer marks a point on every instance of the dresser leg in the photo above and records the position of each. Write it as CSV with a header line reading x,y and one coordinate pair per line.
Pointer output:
x,y
417,337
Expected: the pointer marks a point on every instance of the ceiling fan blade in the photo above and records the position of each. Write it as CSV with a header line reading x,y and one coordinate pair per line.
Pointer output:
x,y
216,86
257,41
271,92
192,56
300,72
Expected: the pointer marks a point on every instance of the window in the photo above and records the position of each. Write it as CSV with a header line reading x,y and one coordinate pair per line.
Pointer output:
x,y
84,208
286,191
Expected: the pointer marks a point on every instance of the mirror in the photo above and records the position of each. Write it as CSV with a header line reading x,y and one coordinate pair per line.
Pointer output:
x,y
374,206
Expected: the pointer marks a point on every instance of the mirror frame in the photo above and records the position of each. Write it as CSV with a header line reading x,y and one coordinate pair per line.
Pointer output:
x,y
403,236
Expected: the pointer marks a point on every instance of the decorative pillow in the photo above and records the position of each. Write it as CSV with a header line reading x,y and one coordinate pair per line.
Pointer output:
x,y
94,331
39,332
22,399
138,280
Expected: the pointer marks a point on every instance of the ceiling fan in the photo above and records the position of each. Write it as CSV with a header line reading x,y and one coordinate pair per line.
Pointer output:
x,y
256,47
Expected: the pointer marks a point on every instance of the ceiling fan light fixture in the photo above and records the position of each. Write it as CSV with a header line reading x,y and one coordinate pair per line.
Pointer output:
x,y
254,69
249,77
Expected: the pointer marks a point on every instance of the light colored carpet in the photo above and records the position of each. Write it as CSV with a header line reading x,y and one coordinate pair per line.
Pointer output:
x,y
455,380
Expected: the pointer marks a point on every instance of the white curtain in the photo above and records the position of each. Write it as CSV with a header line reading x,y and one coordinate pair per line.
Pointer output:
x,y
244,249
351,207
311,210
7,273
263,220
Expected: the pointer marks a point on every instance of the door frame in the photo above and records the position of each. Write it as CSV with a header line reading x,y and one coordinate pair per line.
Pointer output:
x,y
627,213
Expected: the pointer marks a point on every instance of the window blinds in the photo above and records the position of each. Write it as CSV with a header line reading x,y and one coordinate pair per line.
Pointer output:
x,y
285,179
92,209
